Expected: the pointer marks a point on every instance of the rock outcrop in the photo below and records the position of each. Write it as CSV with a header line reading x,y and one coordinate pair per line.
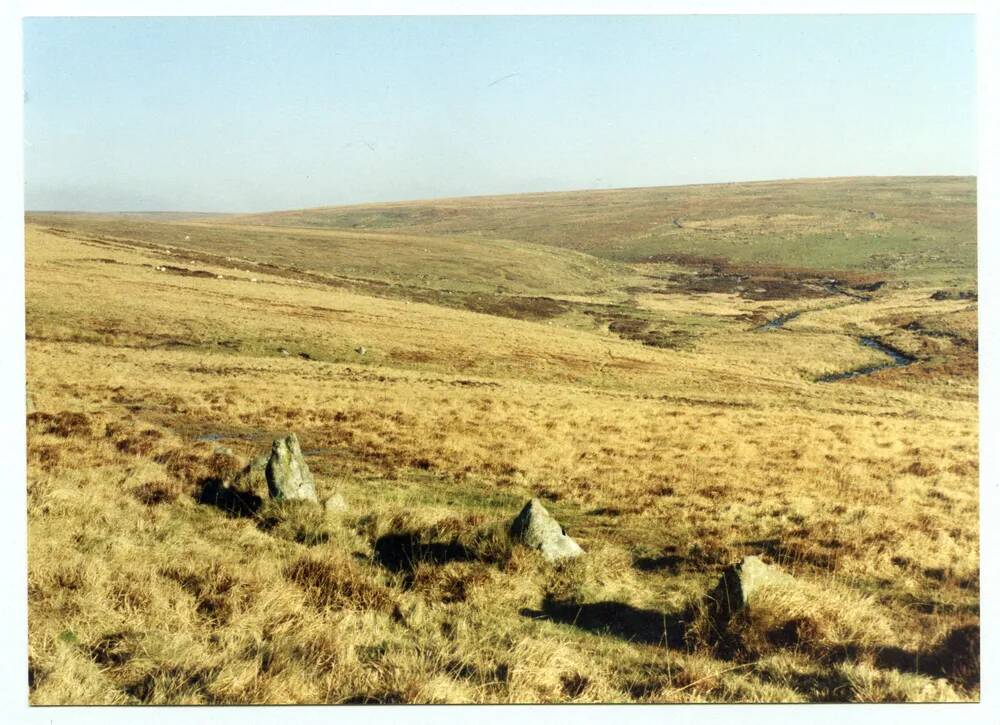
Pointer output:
x,y
288,475
739,583
536,528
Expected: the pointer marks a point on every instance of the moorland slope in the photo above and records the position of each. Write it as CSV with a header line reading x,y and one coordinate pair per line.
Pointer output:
x,y
441,363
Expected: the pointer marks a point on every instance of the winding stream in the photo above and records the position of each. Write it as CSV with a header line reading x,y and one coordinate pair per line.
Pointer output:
x,y
896,359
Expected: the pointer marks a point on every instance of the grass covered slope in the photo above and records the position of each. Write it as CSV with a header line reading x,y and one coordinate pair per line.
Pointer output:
x,y
378,258
658,422
896,225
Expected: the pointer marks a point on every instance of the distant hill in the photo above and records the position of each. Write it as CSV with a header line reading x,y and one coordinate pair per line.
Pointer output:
x,y
911,228
926,225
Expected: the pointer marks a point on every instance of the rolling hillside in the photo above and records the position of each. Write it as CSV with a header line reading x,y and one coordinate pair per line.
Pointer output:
x,y
897,225
759,388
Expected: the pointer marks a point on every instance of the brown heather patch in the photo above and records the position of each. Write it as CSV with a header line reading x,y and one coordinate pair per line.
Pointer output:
x,y
46,456
339,583
141,444
153,493
65,424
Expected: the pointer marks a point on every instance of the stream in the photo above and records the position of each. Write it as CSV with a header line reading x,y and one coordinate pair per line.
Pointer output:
x,y
780,321
896,359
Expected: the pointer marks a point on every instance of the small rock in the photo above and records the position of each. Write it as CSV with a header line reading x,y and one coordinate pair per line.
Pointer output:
x,y
739,582
536,528
335,504
288,476
223,451
283,351
360,350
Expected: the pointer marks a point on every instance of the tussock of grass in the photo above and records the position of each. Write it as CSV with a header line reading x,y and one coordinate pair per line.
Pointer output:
x,y
821,618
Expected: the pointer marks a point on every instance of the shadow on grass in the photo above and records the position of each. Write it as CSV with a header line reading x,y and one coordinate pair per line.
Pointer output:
x,y
670,562
402,553
644,626
233,502
956,658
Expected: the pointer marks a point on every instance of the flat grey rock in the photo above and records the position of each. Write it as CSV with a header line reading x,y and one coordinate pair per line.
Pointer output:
x,y
536,527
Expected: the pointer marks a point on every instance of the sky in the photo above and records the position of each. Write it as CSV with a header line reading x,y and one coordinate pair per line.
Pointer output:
x,y
256,114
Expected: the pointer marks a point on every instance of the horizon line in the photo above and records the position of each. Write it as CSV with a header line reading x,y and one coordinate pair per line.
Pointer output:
x,y
500,195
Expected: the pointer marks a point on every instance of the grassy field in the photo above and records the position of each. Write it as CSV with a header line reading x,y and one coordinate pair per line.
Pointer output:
x,y
583,348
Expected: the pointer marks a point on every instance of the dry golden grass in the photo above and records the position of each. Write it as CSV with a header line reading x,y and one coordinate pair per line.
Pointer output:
x,y
665,463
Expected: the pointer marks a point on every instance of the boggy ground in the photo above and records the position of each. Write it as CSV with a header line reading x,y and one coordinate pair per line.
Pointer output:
x,y
669,445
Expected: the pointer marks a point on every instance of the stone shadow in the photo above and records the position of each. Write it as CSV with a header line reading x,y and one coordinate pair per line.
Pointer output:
x,y
235,503
645,626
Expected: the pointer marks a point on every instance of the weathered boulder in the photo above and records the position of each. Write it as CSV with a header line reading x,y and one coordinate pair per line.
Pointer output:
x,y
288,476
739,583
536,528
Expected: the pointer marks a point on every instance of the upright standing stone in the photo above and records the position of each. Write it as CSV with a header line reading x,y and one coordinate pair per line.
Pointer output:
x,y
288,476
741,581
536,527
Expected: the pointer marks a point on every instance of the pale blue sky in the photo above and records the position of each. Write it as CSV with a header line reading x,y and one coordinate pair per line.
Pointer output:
x,y
244,114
